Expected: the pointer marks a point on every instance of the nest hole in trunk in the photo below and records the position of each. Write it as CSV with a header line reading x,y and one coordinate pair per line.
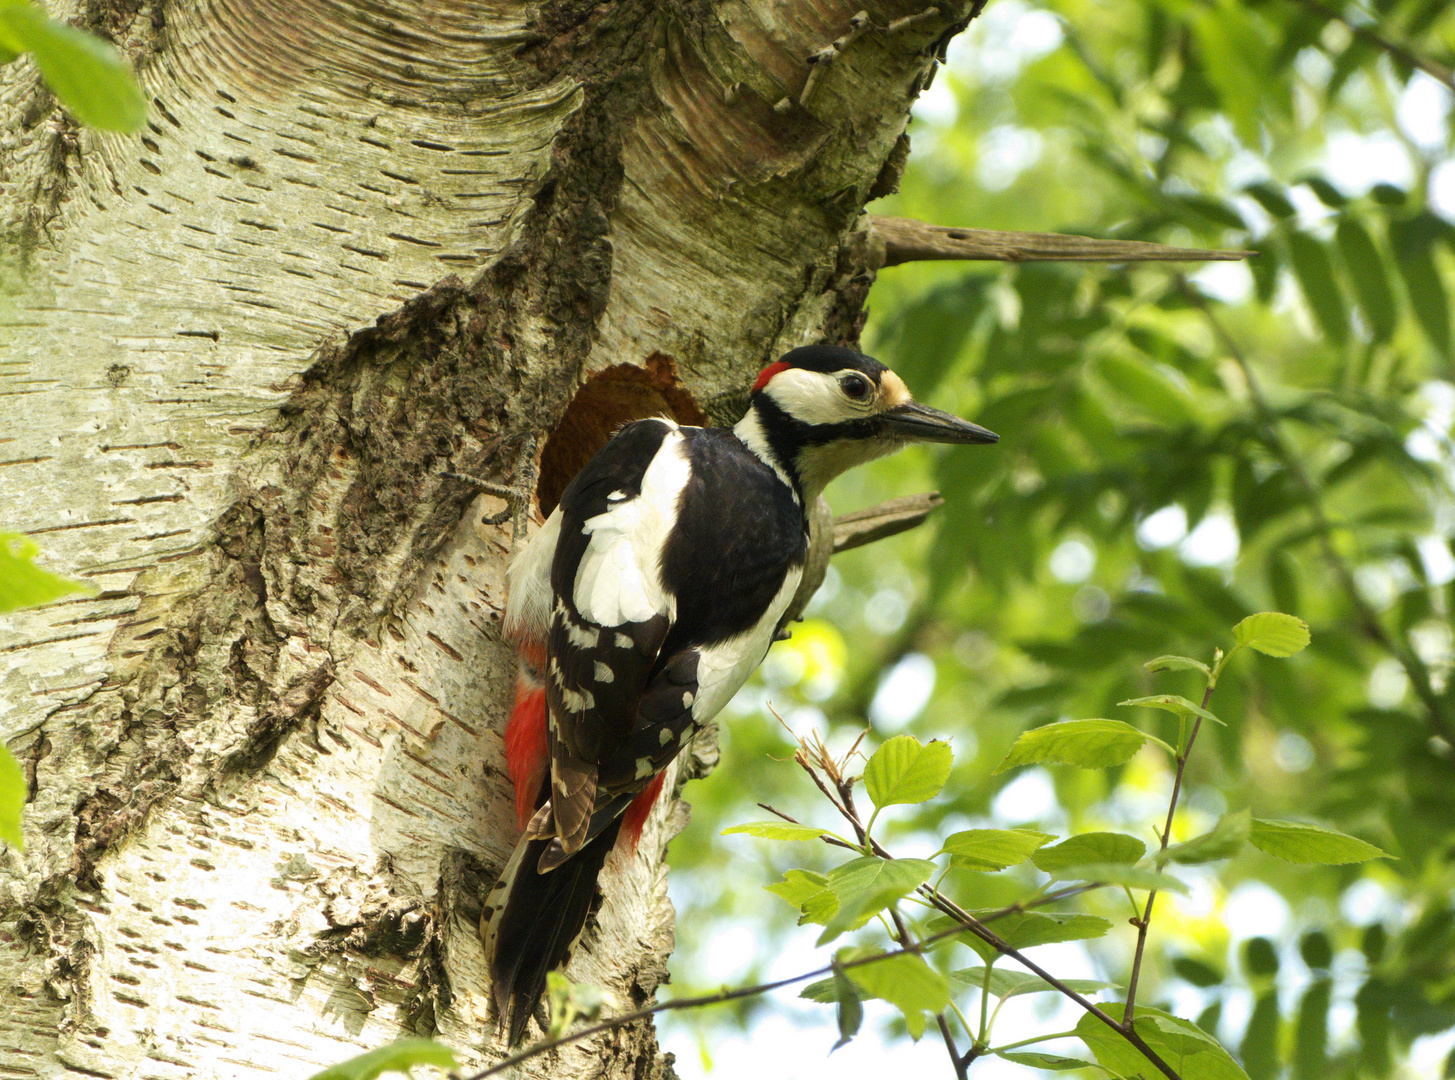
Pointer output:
x,y
607,400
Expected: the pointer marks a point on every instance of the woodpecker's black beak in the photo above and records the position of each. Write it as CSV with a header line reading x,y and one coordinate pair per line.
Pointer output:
x,y
920,423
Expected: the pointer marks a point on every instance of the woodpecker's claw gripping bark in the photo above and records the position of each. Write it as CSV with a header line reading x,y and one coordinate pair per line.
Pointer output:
x,y
518,496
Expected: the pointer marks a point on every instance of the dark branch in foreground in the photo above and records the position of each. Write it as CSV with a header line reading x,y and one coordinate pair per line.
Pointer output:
x,y
902,240
813,756
699,1002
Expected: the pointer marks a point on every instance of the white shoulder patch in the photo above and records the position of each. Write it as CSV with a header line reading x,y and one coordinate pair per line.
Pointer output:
x,y
528,605
620,576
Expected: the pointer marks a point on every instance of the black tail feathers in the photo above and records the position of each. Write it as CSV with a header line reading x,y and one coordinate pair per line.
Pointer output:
x,y
535,928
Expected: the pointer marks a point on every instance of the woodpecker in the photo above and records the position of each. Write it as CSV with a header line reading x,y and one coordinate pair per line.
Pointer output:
x,y
641,607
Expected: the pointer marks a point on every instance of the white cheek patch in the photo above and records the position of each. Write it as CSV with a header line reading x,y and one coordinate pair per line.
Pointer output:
x,y
813,397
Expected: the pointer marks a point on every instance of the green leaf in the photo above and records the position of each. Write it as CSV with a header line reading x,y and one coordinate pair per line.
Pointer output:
x,y
1008,984
1271,199
7,50
1296,842
1327,193
1089,744
850,1012
568,1002
13,792
1191,1052
1234,59
1025,929
865,887
1414,256
1146,389
1173,703
798,885
90,77
1198,972
1259,1049
905,981
992,849
1132,877
1273,633
1051,1062
809,892
904,770
776,830
22,583
1223,841
399,1056
1264,265
1092,847
1178,663
1365,266
1315,272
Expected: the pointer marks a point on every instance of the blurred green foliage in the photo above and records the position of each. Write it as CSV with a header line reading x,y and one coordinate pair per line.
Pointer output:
x,y
23,584
87,74
1181,447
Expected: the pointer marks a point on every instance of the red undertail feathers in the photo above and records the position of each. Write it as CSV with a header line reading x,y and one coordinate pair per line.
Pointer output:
x,y
526,752
635,818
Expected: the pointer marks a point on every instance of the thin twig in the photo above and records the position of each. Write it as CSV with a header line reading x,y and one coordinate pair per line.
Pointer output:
x,y
959,1061
1145,922
611,1023
850,811
1394,48
844,804
985,934
1288,456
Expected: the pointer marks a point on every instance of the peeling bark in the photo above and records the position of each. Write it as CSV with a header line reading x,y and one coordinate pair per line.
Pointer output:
x,y
359,245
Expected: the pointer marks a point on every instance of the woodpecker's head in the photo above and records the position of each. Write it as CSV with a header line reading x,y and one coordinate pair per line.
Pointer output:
x,y
823,409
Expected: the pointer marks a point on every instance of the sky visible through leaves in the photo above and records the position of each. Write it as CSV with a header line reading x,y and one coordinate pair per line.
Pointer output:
x,y
1183,445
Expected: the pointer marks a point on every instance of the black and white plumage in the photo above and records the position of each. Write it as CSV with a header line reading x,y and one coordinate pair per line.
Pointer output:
x,y
656,587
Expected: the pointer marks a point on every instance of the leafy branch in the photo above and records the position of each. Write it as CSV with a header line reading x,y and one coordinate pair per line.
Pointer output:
x,y
1123,1038
1273,436
905,771
1367,34
704,1000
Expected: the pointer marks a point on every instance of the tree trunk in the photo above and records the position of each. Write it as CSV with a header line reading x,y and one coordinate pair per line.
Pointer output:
x,y
361,243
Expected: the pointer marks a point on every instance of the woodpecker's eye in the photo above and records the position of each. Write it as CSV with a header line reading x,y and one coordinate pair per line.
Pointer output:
x,y
856,386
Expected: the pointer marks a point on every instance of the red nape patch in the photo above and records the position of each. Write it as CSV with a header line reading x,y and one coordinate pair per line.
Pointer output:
x,y
766,375
635,818
525,746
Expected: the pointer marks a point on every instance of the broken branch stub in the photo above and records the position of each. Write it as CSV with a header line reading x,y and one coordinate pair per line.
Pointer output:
x,y
884,519
896,240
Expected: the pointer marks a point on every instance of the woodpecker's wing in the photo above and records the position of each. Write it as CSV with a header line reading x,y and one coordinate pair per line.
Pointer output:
x,y
611,612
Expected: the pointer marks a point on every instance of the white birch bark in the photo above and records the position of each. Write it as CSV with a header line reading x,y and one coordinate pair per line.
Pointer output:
x,y
267,787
